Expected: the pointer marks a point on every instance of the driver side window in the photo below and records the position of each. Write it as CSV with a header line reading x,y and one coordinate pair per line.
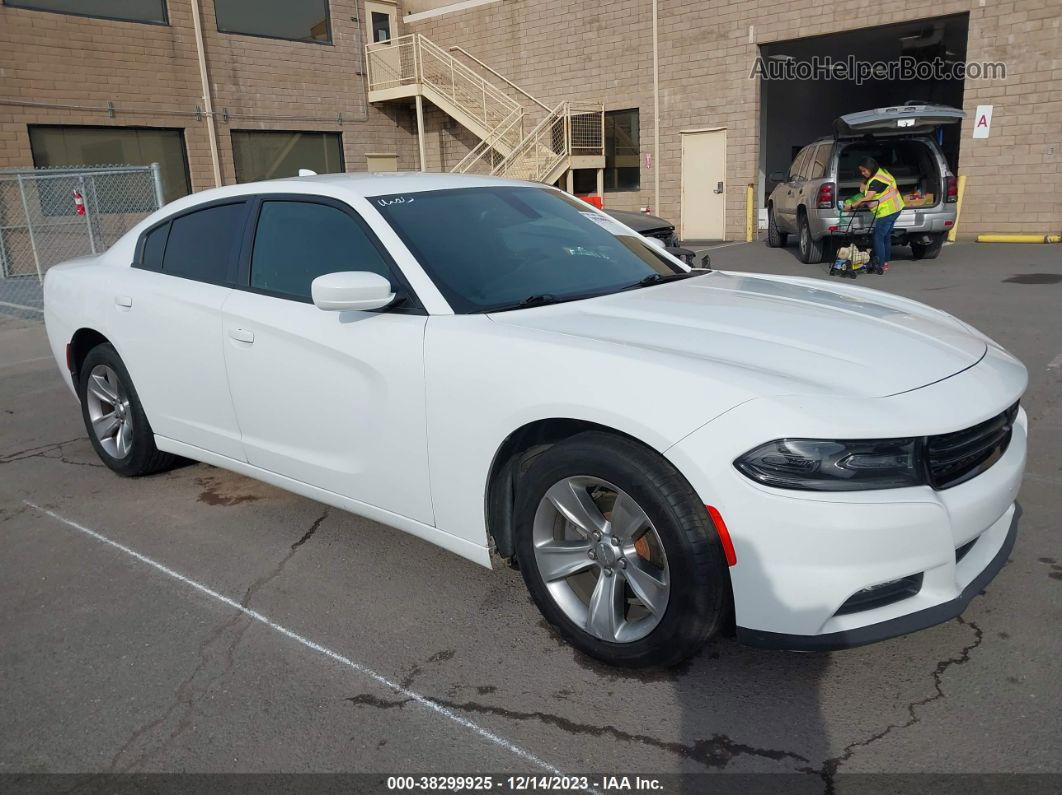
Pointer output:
x,y
297,241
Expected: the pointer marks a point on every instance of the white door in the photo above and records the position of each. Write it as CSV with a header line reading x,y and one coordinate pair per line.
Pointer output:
x,y
381,27
703,184
332,399
168,315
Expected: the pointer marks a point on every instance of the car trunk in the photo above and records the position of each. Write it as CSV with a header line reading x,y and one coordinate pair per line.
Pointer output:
x,y
898,138
911,161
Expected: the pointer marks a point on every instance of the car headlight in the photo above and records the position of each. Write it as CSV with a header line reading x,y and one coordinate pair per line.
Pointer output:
x,y
835,465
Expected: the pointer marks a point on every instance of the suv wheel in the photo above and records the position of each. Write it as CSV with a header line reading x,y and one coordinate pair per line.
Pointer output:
x,y
776,238
115,420
928,250
618,552
811,250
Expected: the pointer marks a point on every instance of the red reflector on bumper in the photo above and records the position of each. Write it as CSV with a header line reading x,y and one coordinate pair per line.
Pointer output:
x,y
724,535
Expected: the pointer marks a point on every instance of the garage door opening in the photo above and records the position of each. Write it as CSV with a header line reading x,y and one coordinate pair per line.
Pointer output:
x,y
794,112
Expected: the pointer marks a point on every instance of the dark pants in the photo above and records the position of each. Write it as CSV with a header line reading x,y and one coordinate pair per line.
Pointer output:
x,y
881,239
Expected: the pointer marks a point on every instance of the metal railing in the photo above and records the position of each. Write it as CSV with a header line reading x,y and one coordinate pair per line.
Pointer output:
x,y
568,130
413,59
55,214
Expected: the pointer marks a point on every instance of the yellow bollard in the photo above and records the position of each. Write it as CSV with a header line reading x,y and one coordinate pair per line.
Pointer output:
x,y
749,193
1048,238
958,209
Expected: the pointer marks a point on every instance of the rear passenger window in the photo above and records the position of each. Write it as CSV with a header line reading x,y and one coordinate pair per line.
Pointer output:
x,y
298,241
800,164
202,244
816,168
154,245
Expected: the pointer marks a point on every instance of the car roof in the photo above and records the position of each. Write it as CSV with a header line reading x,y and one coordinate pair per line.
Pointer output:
x,y
360,185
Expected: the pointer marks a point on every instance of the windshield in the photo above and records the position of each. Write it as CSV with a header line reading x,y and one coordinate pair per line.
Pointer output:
x,y
496,247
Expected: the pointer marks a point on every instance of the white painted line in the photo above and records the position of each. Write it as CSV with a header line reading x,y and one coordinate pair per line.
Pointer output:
x,y
439,709
1055,363
724,245
20,306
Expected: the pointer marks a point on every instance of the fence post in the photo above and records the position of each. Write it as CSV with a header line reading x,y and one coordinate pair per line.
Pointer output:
x,y
156,176
88,215
29,228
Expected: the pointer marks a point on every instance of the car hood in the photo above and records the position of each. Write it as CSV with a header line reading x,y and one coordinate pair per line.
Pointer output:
x,y
639,222
785,335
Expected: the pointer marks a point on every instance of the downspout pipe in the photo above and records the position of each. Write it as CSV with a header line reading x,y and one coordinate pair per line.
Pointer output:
x,y
208,104
656,113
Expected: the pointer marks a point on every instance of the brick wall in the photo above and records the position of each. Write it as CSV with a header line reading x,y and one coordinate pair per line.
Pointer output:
x,y
150,74
603,51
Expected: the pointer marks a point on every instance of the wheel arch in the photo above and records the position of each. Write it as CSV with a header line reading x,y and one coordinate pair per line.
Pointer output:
x,y
83,341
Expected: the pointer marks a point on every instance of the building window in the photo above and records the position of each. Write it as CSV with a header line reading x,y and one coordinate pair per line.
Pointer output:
x,y
295,20
115,146
622,155
269,155
153,11
381,27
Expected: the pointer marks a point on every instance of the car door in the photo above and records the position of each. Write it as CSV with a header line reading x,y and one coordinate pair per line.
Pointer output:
x,y
167,324
331,399
787,200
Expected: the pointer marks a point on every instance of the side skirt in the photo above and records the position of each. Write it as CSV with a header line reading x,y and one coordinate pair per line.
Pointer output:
x,y
451,543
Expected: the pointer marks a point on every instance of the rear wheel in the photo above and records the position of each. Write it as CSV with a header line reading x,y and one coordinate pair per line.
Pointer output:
x,y
776,238
115,420
618,553
930,250
811,250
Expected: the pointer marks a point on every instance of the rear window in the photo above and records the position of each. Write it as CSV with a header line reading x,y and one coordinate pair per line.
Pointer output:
x,y
202,245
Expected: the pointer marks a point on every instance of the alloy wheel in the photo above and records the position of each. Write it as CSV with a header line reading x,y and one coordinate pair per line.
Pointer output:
x,y
601,559
109,411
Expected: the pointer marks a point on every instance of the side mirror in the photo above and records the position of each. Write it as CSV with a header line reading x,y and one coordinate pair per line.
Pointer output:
x,y
778,176
351,290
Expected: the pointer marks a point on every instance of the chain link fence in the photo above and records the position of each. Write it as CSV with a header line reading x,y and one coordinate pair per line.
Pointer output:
x,y
54,214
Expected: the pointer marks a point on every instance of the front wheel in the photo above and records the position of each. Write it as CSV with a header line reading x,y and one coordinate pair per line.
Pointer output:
x,y
618,553
776,238
115,420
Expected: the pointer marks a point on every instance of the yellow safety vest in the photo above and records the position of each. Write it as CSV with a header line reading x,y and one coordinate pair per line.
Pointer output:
x,y
889,200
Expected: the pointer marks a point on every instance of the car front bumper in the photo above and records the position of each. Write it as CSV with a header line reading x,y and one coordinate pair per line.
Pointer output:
x,y
803,555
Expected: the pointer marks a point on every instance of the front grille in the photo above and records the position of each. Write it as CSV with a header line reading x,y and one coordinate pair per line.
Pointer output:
x,y
954,458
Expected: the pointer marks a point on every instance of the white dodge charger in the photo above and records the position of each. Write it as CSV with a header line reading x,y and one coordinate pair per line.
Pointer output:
x,y
496,367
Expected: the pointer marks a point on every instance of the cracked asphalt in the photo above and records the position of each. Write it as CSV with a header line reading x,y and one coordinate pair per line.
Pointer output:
x,y
110,664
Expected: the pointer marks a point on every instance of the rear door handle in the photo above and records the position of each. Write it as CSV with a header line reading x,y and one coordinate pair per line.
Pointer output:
x,y
242,335
123,301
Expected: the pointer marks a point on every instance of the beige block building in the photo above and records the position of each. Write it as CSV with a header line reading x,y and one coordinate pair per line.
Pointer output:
x,y
719,128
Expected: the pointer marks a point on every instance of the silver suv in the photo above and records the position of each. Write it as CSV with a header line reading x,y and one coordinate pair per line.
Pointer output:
x,y
806,200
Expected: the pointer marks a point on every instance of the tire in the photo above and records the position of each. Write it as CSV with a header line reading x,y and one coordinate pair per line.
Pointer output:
x,y
670,541
125,441
929,250
776,238
811,251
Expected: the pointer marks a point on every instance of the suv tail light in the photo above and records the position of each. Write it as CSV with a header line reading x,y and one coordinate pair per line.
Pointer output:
x,y
951,189
825,199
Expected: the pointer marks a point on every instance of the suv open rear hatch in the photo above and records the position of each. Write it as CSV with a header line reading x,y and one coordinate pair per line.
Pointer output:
x,y
913,118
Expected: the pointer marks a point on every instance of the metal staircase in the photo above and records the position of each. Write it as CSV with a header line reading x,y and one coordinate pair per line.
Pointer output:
x,y
513,142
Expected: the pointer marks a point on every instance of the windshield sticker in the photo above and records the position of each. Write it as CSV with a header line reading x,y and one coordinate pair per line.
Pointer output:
x,y
606,223
395,200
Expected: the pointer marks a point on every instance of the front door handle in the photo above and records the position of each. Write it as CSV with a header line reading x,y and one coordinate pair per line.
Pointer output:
x,y
242,335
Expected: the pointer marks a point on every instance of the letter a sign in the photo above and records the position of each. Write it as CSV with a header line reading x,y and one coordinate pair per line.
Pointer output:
x,y
982,121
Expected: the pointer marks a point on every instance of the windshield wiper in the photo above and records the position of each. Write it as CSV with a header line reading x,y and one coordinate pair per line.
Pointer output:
x,y
660,278
539,299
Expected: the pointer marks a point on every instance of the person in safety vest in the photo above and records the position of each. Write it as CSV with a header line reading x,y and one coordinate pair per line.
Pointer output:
x,y
882,193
